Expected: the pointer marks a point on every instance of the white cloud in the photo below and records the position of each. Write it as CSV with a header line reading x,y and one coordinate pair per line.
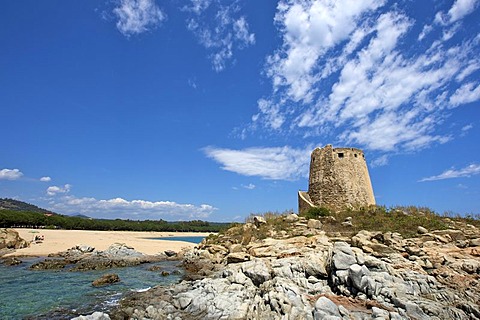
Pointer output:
x,y
281,163
425,31
45,179
134,209
460,9
466,128
54,190
467,93
220,29
10,174
310,28
137,16
380,161
249,186
472,67
346,71
468,171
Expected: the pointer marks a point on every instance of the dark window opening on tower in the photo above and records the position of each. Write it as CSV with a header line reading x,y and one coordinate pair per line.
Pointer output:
x,y
340,154
355,155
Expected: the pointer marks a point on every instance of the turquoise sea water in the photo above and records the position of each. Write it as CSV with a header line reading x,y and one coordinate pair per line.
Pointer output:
x,y
27,294
187,239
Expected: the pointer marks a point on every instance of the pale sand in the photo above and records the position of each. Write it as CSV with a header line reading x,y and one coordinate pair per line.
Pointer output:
x,y
61,240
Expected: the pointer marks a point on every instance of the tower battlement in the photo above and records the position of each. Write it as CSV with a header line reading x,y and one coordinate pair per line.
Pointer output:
x,y
338,179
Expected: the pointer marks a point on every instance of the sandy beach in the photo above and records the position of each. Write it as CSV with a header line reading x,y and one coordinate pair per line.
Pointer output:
x,y
61,240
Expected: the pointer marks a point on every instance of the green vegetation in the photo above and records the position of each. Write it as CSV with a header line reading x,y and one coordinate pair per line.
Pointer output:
x,y
19,214
276,224
24,219
316,212
402,219
15,205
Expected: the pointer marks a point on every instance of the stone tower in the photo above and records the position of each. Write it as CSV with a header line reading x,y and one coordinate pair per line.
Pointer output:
x,y
338,179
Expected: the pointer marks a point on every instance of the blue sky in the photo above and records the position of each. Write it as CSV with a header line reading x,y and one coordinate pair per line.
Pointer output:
x,y
209,109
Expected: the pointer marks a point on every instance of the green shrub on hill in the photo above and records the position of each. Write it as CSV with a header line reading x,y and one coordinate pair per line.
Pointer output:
x,y
316,212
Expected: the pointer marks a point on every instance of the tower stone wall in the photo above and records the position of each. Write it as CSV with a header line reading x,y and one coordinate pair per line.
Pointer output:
x,y
338,179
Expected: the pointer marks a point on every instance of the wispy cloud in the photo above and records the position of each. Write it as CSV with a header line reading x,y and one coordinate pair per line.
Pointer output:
x,y
10,174
344,72
249,186
45,179
459,9
220,29
380,161
468,171
54,190
467,93
134,209
137,16
465,129
280,163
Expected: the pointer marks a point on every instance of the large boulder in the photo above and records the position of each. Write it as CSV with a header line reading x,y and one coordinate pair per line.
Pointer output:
x,y
106,279
10,239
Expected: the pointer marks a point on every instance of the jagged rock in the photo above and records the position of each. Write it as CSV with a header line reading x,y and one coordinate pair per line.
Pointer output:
x,y
291,217
326,309
85,248
49,264
474,242
120,251
343,256
170,253
314,224
235,248
106,280
11,261
358,276
257,270
453,235
377,276
347,224
236,257
10,239
213,249
258,221
421,230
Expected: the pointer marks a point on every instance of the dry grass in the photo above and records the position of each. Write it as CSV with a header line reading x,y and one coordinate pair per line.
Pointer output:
x,y
402,219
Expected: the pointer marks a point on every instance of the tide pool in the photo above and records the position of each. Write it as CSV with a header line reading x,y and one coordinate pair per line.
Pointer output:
x,y
28,294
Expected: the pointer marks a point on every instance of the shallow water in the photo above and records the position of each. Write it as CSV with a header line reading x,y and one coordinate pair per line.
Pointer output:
x,y
28,294
187,239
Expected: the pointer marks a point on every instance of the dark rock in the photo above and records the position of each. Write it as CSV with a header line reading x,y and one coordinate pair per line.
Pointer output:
x,y
170,253
165,273
49,264
11,261
155,268
258,221
106,280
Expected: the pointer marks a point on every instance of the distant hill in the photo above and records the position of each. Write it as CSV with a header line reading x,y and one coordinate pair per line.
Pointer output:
x,y
81,216
15,205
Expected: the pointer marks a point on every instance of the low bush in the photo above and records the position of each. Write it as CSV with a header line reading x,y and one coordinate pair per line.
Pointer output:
x,y
316,212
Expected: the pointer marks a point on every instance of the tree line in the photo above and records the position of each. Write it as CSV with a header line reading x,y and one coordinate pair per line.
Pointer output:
x,y
27,219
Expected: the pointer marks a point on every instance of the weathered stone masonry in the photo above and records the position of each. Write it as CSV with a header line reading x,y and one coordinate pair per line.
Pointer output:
x,y
338,179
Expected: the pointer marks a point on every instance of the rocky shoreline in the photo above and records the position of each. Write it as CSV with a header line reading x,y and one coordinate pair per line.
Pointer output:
x,y
294,269
306,274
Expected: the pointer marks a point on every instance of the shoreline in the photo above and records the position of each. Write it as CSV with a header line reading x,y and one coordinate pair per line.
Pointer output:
x,y
61,240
